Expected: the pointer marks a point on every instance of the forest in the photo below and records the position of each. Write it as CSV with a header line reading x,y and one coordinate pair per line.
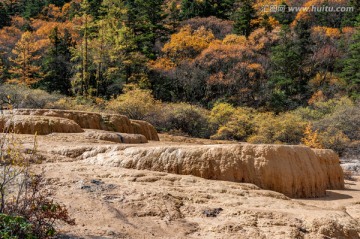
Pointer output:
x,y
202,68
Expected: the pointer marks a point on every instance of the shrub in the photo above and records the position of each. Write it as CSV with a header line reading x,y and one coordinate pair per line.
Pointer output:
x,y
25,207
90,104
337,121
221,113
21,96
345,119
135,103
321,109
235,126
190,119
15,227
335,139
286,128
264,129
311,138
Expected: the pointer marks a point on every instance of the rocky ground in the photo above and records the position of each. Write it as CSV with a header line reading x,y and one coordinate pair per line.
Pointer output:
x,y
351,158
112,202
118,203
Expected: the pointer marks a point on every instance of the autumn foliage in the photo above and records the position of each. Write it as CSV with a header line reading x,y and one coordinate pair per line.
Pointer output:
x,y
255,75
311,138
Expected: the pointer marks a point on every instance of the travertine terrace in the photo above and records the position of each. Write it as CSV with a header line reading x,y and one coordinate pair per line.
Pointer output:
x,y
295,171
125,185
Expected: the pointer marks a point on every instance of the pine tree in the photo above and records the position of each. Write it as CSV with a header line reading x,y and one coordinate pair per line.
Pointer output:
x,y
124,63
206,8
4,15
32,8
290,72
284,17
144,18
223,8
24,69
81,81
285,61
351,70
99,48
243,17
189,9
350,18
304,44
56,64
94,8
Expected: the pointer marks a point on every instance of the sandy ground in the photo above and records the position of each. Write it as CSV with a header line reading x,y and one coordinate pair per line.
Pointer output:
x,y
110,202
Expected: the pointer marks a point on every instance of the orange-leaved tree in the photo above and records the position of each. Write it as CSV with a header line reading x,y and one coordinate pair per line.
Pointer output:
x,y
24,69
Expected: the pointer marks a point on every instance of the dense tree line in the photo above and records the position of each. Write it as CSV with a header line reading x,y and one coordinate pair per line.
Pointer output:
x,y
201,52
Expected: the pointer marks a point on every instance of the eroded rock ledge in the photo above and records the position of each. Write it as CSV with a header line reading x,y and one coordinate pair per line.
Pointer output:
x,y
26,124
87,120
295,171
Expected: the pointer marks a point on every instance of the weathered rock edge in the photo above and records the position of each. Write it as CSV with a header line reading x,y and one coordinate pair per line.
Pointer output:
x,y
25,124
295,171
122,138
88,120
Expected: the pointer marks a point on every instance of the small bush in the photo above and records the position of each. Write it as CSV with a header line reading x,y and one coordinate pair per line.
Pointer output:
x,y
190,119
345,119
221,113
321,109
258,139
286,128
235,126
26,209
90,104
247,124
337,122
15,227
311,138
21,96
135,103
334,139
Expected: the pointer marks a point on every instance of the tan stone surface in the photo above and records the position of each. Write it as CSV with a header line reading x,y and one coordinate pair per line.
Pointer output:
x,y
113,202
40,125
87,120
295,171
117,137
330,163
135,204
145,128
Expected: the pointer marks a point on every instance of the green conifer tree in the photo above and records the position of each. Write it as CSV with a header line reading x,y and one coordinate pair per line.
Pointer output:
x,y
57,65
4,15
144,18
351,70
243,17
291,72
284,17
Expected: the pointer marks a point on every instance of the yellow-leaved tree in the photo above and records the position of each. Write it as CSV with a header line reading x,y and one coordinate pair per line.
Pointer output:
x,y
24,69
311,138
187,44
